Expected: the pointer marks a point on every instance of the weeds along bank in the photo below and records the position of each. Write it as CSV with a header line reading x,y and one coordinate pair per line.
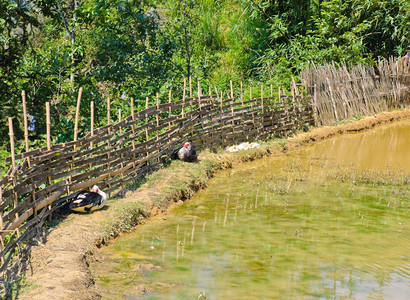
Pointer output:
x,y
70,244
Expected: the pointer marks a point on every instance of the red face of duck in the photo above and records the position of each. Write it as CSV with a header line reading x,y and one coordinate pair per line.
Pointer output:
x,y
95,189
186,145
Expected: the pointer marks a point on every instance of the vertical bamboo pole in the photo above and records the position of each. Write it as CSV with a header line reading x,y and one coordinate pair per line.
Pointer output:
x,y
146,119
271,90
23,96
108,112
295,87
77,112
157,115
250,93
230,83
199,95
183,99
209,91
90,165
109,139
169,109
262,98
146,128
48,123
119,119
242,94
11,134
92,121
133,130
190,87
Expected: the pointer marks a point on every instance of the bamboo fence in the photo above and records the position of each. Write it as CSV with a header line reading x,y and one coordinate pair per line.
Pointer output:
x,y
340,92
117,154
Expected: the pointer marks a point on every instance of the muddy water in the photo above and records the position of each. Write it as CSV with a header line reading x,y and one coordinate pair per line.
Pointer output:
x,y
305,225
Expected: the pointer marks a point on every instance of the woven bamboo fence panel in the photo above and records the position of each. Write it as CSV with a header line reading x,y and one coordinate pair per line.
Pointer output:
x,y
340,92
117,154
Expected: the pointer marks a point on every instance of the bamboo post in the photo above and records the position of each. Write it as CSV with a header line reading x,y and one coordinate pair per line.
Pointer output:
x,y
92,121
295,87
109,139
23,96
315,114
90,166
108,112
262,98
271,90
209,91
250,93
183,99
146,119
119,119
157,116
242,94
199,95
169,109
48,123
133,129
190,87
77,112
11,134
230,83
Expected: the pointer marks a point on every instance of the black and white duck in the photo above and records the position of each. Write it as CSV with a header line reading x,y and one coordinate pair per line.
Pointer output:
x,y
86,201
187,153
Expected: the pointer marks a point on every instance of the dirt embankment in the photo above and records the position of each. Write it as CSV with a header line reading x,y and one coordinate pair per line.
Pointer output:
x,y
58,266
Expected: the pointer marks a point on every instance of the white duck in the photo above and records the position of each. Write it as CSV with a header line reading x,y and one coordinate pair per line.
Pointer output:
x,y
85,201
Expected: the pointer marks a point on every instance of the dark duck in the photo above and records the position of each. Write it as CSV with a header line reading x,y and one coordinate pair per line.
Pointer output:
x,y
86,201
187,153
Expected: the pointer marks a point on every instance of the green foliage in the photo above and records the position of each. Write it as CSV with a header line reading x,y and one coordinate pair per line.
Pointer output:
x,y
121,49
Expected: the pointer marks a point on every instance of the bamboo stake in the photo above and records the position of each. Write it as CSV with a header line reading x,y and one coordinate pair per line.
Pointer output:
x,y
48,123
169,109
183,99
146,119
199,95
12,150
92,121
77,113
242,94
262,98
230,83
271,90
190,87
23,96
157,115
133,125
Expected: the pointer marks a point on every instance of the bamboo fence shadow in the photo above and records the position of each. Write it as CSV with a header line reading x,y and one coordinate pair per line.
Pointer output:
x,y
117,154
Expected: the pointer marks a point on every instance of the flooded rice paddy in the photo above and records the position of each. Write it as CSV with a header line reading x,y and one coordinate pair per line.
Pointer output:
x,y
327,221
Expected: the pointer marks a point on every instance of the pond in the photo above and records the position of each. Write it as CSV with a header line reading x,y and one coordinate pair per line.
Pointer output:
x,y
330,220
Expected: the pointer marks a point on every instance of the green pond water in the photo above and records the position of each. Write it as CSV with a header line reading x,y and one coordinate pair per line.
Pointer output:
x,y
328,221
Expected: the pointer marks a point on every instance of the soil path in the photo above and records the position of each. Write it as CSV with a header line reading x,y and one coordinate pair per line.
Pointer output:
x,y
58,267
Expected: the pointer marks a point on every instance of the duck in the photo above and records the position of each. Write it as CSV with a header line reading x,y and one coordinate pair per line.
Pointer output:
x,y
86,201
187,153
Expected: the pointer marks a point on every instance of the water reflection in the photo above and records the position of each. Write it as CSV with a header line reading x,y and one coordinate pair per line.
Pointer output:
x,y
277,228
